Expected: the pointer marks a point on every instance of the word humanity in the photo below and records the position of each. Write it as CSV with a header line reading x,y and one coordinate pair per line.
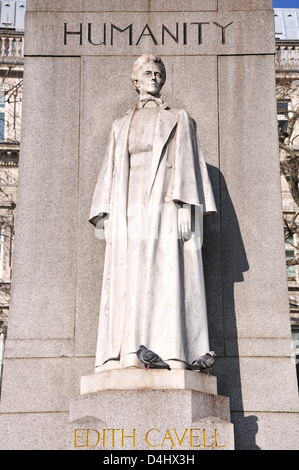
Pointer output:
x,y
196,438
109,34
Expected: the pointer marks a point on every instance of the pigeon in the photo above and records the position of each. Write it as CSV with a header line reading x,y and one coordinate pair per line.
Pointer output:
x,y
205,362
150,359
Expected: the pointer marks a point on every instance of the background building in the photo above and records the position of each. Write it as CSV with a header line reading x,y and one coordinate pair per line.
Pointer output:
x,y
287,79
12,14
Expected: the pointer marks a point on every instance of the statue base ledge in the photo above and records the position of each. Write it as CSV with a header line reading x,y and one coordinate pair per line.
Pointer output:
x,y
151,379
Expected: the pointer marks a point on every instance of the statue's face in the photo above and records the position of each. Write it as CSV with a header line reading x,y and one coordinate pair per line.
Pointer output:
x,y
150,79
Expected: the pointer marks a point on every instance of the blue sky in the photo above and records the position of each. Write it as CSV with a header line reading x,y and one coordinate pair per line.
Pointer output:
x,y
286,3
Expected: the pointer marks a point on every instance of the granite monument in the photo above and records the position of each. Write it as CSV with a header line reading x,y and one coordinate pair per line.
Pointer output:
x,y
219,56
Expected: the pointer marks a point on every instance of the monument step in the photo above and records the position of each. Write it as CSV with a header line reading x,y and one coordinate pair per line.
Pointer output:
x,y
151,379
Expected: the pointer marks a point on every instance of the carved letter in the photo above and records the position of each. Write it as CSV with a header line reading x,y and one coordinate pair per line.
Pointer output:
x,y
216,439
130,28
175,38
147,435
89,36
193,437
205,439
223,30
66,32
132,437
185,34
113,435
149,34
88,437
183,438
78,437
200,31
168,436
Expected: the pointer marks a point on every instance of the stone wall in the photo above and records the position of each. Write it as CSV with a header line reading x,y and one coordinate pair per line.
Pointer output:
x,y
220,68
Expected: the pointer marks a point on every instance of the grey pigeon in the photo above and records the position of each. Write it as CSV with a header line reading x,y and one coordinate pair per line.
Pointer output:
x,y
150,359
205,362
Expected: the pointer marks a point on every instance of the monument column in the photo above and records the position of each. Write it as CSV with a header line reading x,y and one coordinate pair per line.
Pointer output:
x,y
219,57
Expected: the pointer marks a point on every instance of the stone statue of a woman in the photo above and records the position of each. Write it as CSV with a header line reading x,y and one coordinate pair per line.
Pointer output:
x,y
151,192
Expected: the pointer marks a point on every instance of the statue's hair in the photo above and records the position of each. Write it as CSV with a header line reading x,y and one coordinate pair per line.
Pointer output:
x,y
142,61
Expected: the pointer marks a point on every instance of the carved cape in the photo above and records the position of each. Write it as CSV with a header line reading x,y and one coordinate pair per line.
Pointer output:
x,y
171,319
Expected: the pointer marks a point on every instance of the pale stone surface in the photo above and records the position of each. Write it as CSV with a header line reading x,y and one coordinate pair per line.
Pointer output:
x,y
239,85
210,433
201,103
38,385
93,139
260,347
156,406
39,348
33,431
245,5
117,5
146,410
147,5
150,379
39,36
45,246
244,206
266,431
86,5
187,5
259,383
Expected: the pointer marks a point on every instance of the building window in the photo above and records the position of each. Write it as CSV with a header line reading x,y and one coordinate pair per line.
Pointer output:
x,y
282,109
2,112
2,127
295,334
1,253
2,96
291,253
291,270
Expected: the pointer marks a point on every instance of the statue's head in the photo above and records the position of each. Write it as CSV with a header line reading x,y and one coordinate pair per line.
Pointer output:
x,y
148,74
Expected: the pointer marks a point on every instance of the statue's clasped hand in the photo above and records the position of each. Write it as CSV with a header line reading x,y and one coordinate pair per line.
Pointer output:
x,y
184,222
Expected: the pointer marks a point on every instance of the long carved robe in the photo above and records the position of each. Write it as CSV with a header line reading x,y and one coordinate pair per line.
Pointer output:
x,y
171,317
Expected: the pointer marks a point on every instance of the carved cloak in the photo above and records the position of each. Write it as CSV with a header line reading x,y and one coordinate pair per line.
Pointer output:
x,y
172,317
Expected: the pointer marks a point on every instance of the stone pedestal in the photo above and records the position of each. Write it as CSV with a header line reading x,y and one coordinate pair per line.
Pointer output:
x,y
152,379
135,409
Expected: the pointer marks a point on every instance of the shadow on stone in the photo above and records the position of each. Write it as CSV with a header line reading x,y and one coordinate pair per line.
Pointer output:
x,y
225,261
